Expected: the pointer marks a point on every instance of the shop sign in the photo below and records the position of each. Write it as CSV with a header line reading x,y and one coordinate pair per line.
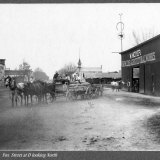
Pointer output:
x,y
135,54
141,59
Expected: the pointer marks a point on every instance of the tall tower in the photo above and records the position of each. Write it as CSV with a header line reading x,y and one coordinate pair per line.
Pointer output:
x,y
79,63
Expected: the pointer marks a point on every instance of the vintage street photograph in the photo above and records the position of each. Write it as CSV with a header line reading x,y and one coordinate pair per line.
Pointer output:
x,y
80,77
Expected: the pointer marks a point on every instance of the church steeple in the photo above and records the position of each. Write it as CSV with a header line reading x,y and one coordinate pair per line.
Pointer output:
x,y
79,62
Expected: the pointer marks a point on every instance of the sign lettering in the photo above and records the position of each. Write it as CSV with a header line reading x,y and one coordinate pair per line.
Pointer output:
x,y
135,54
142,59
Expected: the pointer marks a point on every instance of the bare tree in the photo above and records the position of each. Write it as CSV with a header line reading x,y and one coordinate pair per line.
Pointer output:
x,y
68,69
144,36
39,74
136,38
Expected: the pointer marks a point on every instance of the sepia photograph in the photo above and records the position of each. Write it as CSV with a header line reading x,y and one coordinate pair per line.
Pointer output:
x,y
80,77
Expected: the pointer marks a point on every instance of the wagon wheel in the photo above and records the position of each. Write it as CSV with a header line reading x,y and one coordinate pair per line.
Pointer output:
x,y
74,95
97,92
69,95
101,91
83,96
88,93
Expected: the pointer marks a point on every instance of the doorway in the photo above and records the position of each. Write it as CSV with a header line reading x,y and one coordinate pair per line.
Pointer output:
x,y
135,79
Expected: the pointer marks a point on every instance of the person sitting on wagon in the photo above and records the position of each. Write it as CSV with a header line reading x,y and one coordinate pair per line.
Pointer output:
x,y
55,76
78,78
67,79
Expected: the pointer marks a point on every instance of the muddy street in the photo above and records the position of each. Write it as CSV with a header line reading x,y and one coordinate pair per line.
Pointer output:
x,y
114,122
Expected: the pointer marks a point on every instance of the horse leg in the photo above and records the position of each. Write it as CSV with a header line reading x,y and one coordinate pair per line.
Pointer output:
x,y
16,98
12,100
31,99
21,100
46,98
25,99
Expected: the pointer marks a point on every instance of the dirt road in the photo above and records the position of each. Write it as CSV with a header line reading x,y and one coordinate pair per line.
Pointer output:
x,y
116,121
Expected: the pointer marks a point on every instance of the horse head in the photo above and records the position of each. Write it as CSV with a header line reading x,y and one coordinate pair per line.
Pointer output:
x,y
7,81
12,83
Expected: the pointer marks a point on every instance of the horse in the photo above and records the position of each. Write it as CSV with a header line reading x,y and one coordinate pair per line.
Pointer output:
x,y
117,85
32,89
39,89
50,89
16,89
7,81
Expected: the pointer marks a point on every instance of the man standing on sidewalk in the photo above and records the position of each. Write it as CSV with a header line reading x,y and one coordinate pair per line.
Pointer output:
x,y
129,86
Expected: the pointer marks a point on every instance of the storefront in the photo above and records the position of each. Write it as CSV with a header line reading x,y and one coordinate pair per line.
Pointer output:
x,y
141,67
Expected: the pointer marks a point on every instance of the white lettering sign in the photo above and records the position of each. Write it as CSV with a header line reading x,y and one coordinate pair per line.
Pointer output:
x,y
142,59
135,54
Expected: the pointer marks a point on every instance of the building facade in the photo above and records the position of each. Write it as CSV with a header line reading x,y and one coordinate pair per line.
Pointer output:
x,y
2,71
140,66
86,72
21,75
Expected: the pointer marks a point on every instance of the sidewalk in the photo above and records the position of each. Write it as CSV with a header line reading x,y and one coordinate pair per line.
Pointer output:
x,y
132,95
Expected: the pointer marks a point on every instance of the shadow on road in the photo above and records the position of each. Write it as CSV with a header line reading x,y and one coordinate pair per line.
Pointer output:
x,y
134,99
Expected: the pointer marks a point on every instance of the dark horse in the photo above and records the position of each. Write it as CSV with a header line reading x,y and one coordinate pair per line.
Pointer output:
x,y
15,89
39,89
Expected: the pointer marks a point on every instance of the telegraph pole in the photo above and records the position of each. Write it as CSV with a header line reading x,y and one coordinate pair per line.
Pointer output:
x,y
120,28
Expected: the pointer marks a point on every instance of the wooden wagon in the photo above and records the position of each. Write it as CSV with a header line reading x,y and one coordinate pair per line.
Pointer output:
x,y
61,90
84,91
97,90
75,91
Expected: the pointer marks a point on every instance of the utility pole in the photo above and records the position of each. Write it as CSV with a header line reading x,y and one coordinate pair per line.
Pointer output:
x,y
120,28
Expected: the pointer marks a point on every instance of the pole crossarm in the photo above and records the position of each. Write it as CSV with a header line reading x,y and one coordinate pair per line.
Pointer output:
x,y
121,34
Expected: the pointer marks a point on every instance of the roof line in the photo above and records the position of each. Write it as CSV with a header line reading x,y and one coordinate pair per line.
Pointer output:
x,y
141,44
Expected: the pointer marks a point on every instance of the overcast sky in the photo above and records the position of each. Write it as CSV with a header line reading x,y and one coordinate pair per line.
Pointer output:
x,y
50,35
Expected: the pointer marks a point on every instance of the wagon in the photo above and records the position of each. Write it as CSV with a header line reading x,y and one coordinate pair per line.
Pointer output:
x,y
60,90
83,91
97,90
75,91
56,90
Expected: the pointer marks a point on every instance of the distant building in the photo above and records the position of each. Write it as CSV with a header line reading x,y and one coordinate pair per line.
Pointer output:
x,y
85,72
2,68
21,75
2,71
105,78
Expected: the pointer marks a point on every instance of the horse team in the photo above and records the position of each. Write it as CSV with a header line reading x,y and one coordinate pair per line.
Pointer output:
x,y
26,91
40,91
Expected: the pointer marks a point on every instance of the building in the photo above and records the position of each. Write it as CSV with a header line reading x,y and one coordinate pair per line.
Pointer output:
x,y
140,66
2,68
104,77
2,71
85,72
21,75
